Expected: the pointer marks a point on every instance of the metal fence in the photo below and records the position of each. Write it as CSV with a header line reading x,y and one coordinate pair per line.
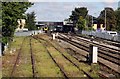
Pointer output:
x,y
28,33
103,35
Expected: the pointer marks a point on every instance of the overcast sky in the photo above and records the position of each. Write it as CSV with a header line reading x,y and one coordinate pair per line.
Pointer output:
x,y
58,11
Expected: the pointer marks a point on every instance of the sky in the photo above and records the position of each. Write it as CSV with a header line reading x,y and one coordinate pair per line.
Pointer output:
x,y
58,10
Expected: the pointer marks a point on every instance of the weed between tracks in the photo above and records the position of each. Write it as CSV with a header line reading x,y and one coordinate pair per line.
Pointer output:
x,y
23,68
92,70
44,65
9,58
70,70
16,43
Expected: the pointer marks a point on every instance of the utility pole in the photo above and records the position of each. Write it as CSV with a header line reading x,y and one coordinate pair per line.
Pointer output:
x,y
105,20
92,20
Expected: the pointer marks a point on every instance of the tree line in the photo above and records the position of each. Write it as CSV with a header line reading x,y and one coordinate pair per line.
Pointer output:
x,y
83,21
11,12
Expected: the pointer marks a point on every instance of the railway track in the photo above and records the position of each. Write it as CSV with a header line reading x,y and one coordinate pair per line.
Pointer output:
x,y
104,52
107,41
17,61
102,75
111,53
100,45
52,58
32,60
98,41
101,54
61,69
82,46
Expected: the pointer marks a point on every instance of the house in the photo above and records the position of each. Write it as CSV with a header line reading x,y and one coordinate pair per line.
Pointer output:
x,y
98,26
21,25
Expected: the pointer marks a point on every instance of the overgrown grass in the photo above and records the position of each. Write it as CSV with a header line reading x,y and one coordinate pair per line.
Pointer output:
x,y
16,43
91,69
9,59
68,67
24,67
44,65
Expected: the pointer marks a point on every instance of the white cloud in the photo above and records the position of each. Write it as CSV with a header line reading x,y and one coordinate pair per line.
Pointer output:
x,y
58,11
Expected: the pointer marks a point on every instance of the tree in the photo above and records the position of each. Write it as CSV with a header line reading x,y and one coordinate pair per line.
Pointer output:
x,y
30,21
110,18
11,11
0,18
117,13
82,11
81,23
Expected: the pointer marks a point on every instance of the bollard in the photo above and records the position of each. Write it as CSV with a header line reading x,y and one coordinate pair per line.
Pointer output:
x,y
53,36
93,54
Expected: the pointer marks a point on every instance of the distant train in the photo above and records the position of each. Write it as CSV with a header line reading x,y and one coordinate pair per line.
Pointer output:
x,y
63,29
45,29
59,28
53,28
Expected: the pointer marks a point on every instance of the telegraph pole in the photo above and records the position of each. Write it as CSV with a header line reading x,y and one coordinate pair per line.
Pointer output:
x,y
105,20
92,20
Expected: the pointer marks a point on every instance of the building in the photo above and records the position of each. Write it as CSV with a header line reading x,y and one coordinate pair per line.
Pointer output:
x,y
98,26
47,23
21,25
68,22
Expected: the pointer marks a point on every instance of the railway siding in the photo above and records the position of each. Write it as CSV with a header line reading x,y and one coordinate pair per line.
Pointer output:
x,y
44,65
9,59
109,56
65,65
23,66
81,66
69,69
84,68
50,59
111,65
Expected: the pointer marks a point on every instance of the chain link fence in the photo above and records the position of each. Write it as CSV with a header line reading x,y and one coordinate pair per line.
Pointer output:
x,y
104,35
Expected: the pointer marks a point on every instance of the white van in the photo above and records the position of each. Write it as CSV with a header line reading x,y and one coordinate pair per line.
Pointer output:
x,y
113,33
